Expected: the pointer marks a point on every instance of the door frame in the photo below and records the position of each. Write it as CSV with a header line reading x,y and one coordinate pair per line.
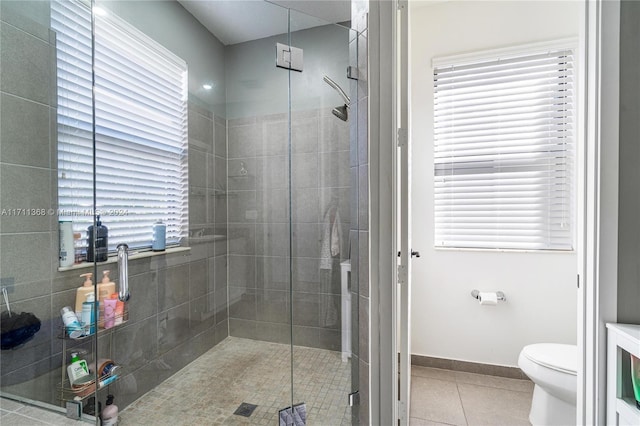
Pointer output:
x,y
597,302
597,227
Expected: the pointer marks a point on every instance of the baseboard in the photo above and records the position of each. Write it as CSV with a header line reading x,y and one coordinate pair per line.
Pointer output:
x,y
469,367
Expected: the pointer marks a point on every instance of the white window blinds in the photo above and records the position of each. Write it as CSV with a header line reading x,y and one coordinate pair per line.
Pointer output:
x,y
504,150
141,128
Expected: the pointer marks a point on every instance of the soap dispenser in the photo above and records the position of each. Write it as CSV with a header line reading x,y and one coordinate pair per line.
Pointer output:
x,y
101,249
105,289
109,415
82,292
78,371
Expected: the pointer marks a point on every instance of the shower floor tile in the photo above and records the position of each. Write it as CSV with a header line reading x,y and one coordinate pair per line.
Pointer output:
x,y
210,389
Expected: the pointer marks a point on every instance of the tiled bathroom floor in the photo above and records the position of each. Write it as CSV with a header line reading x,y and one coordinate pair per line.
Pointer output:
x,y
445,397
211,388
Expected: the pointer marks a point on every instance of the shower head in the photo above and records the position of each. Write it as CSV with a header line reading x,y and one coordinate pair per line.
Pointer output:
x,y
341,112
338,89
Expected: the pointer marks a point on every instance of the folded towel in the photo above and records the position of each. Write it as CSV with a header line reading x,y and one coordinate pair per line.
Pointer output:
x,y
331,238
336,236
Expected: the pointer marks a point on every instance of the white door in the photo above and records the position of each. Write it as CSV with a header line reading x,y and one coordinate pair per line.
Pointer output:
x,y
404,214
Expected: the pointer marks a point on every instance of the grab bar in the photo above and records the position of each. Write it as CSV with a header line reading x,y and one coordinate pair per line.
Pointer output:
x,y
123,272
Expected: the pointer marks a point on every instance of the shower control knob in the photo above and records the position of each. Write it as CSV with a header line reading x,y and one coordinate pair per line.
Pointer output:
x,y
415,253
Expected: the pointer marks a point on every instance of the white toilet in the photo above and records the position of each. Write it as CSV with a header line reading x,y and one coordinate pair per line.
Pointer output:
x,y
552,368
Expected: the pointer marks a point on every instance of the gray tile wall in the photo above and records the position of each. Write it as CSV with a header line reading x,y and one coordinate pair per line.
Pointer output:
x,y
178,306
260,306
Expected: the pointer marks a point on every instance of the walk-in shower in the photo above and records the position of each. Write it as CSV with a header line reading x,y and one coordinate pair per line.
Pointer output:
x,y
155,116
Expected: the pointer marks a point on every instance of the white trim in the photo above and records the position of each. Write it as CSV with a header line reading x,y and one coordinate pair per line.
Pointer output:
x,y
476,56
402,207
599,292
382,167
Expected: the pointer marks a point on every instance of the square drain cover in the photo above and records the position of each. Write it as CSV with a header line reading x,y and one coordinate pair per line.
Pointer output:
x,y
245,409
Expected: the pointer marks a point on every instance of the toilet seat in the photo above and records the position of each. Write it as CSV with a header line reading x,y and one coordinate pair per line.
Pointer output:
x,y
555,356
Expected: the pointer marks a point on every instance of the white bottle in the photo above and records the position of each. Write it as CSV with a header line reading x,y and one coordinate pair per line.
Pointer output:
x,y
78,371
110,413
73,326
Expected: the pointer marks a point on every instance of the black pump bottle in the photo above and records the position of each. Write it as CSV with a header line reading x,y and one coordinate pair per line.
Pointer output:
x,y
102,242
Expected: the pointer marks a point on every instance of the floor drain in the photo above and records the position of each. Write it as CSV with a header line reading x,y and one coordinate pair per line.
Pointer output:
x,y
245,409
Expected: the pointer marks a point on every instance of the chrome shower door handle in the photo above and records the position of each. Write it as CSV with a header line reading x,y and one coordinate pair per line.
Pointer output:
x,y
123,272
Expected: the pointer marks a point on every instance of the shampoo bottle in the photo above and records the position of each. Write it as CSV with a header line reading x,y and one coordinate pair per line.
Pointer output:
x,y
78,371
109,413
71,323
99,250
105,289
159,236
90,313
119,316
82,292
109,312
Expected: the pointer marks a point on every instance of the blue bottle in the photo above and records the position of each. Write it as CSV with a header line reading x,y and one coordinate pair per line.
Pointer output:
x,y
90,313
159,237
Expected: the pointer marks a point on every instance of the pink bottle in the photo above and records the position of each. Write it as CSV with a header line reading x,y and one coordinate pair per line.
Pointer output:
x,y
109,312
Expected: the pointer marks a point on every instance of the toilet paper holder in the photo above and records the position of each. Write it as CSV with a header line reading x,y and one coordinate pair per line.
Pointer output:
x,y
476,295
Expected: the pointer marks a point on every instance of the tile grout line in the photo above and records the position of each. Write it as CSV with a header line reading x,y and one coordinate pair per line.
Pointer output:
x,y
464,412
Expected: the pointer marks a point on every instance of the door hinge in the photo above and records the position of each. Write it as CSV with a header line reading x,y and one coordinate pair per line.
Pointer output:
x,y
289,57
354,399
578,280
402,274
352,73
402,4
402,413
402,137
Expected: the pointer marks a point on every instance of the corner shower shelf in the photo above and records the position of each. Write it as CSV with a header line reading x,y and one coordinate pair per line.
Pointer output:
x,y
622,340
83,392
67,393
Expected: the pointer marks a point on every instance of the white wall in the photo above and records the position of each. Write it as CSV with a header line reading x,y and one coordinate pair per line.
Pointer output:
x,y
540,287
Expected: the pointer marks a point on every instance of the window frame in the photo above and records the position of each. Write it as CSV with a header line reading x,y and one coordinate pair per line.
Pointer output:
x,y
510,52
81,209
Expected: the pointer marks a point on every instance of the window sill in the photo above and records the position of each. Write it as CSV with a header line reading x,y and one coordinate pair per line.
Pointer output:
x,y
133,255
490,250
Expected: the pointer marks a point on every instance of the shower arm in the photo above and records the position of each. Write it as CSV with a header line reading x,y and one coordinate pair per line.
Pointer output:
x,y
338,89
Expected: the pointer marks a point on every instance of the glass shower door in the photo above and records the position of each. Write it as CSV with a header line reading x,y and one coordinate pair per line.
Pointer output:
x,y
324,226
208,335
41,245
247,303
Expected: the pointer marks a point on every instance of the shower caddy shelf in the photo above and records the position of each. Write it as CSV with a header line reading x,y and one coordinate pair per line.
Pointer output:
x,y
622,340
67,393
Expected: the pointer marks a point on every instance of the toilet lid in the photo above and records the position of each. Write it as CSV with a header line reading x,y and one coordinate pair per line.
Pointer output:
x,y
556,356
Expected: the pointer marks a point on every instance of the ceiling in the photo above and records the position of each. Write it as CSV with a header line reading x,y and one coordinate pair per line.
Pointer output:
x,y
237,21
